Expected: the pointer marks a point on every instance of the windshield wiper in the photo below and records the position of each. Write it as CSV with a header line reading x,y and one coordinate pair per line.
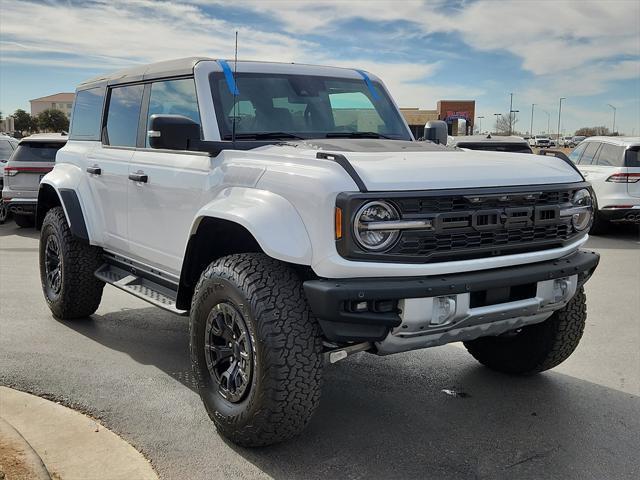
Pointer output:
x,y
264,135
357,135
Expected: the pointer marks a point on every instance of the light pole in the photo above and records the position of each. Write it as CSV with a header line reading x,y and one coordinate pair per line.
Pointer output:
x,y
548,122
496,115
531,128
614,118
480,124
559,114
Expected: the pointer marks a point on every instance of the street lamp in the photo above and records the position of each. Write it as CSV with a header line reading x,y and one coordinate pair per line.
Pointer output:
x,y
531,128
548,122
480,124
560,113
497,115
614,118
511,112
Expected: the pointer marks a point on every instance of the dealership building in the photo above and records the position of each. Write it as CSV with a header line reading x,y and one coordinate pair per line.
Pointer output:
x,y
459,115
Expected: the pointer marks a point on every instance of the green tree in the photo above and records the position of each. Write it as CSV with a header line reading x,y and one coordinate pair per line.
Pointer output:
x,y
23,122
53,120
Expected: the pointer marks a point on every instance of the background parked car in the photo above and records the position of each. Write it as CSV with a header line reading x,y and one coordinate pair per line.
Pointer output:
x,y
575,141
565,142
612,165
32,159
7,146
496,143
540,141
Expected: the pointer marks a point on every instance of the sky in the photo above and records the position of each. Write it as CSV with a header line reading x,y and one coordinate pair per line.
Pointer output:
x,y
424,51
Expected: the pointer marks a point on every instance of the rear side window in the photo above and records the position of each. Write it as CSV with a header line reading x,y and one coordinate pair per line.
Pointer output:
x,y
610,155
589,152
87,112
577,152
174,97
123,115
36,152
632,157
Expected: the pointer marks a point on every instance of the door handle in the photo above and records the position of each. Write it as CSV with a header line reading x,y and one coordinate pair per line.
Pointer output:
x,y
138,177
95,170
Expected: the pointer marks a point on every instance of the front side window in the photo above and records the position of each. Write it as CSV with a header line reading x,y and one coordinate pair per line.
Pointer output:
x,y
303,106
123,115
577,152
610,155
87,113
173,97
589,153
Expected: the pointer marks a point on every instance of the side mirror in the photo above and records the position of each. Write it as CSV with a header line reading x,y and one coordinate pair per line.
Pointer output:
x,y
172,132
436,131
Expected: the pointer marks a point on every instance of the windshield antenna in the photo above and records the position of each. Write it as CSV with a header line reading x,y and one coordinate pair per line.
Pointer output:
x,y
235,93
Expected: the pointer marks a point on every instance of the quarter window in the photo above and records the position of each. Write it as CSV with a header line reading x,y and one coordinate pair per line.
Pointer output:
x,y
173,97
610,155
87,113
123,116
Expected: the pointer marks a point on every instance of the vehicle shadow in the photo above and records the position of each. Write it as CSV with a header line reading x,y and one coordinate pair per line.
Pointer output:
x,y
10,228
390,417
617,236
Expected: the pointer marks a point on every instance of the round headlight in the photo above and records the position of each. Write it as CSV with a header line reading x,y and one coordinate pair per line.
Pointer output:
x,y
582,200
375,237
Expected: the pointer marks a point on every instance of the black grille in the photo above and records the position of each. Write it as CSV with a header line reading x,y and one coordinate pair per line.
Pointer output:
x,y
470,224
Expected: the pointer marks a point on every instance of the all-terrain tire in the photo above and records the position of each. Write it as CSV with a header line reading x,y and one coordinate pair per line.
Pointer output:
x,y
24,221
286,349
536,347
79,292
4,211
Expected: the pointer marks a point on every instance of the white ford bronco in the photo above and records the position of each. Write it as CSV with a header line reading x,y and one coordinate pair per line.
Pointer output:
x,y
288,211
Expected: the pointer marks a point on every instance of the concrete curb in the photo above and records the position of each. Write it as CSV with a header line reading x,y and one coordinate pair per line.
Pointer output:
x,y
71,445
16,451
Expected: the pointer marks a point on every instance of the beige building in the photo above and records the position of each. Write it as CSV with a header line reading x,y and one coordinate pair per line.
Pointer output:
x,y
59,101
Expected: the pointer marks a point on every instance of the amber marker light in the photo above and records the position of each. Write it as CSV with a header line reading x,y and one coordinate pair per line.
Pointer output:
x,y
338,223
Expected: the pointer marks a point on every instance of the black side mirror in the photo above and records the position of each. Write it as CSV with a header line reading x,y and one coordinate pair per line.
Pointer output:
x,y
172,132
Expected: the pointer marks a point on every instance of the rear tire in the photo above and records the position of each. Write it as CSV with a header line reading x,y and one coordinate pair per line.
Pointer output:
x,y
24,221
536,347
67,267
251,310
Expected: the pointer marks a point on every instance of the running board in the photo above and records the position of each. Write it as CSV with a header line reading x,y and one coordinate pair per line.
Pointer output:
x,y
140,287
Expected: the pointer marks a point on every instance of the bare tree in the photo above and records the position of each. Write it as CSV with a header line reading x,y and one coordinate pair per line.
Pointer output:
x,y
592,131
503,126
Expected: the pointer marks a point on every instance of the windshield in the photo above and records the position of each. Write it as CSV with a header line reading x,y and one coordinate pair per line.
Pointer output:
x,y
36,152
270,105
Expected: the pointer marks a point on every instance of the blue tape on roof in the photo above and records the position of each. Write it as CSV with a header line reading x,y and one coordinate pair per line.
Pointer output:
x,y
367,80
228,75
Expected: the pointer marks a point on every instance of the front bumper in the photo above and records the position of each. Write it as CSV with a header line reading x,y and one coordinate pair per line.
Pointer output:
x,y
482,298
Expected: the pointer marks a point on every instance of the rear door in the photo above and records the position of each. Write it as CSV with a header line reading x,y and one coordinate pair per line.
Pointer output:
x,y
162,207
108,164
609,160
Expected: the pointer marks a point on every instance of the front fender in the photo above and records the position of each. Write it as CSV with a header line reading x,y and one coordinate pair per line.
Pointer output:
x,y
270,218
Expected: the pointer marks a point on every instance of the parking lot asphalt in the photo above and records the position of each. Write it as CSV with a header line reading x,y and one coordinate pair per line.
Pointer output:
x,y
379,418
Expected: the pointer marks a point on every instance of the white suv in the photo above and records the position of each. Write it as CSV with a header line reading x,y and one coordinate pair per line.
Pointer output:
x,y
540,141
287,210
612,165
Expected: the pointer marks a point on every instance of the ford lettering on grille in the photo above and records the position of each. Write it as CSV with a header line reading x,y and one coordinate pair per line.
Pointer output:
x,y
497,218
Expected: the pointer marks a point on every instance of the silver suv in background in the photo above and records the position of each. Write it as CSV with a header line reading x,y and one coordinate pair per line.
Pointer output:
x,y
33,158
7,146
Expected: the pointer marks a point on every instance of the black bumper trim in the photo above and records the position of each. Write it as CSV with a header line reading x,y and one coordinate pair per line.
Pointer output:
x,y
327,297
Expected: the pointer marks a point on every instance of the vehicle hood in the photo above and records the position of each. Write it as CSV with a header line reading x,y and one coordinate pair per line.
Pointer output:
x,y
388,167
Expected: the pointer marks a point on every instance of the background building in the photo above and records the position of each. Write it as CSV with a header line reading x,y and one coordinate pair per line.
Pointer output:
x,y
458,114
59,101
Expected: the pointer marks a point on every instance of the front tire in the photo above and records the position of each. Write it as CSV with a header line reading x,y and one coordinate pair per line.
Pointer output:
x,y
256,349
67,267
536,347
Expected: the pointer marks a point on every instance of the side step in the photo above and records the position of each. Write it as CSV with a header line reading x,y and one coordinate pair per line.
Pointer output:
x,y
143,288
